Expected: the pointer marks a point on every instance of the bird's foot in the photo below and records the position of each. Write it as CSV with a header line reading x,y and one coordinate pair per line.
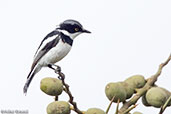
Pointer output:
x,y
58,71
57,68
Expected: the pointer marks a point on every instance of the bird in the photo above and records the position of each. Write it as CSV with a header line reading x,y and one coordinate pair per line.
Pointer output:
x,y
54,47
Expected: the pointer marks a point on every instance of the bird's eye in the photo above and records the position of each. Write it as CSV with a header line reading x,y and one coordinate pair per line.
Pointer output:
x,y
76,29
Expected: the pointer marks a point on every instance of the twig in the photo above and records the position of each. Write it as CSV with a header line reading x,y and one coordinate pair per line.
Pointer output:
x,y
117,107
66,89
165,105
142,91
110,105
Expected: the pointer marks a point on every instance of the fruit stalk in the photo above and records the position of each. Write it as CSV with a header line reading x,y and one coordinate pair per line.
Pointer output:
x,y
110,105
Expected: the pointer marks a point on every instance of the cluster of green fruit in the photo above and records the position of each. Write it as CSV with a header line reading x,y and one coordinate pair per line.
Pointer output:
x,y
124,90
155,96
54,87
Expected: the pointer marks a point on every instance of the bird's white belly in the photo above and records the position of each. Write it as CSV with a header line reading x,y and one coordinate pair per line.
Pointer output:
x,y
55,54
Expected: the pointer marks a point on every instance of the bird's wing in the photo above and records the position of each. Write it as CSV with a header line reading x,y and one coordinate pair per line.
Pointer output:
x,y
49,36
50,41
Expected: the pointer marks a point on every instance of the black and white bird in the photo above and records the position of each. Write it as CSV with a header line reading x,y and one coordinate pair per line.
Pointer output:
x,y
54,47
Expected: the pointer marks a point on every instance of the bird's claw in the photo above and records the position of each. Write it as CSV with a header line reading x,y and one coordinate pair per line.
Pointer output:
x,y
58,69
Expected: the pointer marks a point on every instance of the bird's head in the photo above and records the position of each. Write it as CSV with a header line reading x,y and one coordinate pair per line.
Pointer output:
x,y
72,28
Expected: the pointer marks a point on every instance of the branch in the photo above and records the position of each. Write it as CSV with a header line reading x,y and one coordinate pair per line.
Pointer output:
x,y
142,91
66,89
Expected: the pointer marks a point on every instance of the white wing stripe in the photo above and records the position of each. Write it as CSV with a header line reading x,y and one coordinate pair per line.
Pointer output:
x,y
49,39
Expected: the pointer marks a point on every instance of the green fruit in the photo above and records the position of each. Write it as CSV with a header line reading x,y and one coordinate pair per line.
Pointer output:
x,y
137,81
129,89
137,113
51,86
115,90
94,111
156,97
144,101
58,107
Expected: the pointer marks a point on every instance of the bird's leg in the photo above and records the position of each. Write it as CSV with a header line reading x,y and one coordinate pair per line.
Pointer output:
x,y
50,66
57,68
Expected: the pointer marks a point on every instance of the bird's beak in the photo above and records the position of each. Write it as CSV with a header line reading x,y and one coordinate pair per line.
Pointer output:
x,y
85,31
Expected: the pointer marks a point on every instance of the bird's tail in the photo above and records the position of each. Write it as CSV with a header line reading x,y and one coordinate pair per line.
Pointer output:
x,y
29,78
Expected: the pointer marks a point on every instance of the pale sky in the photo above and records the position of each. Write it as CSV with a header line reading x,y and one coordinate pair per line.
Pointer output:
x,y
128,37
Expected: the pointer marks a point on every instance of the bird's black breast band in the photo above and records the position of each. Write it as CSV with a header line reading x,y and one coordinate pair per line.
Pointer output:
x,y
66,39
